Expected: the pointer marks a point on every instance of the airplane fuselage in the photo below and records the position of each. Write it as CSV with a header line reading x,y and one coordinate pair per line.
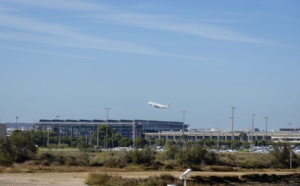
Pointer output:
x,y
157,105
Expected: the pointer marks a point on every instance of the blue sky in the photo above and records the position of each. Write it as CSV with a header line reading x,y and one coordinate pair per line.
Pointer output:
x,y
74,58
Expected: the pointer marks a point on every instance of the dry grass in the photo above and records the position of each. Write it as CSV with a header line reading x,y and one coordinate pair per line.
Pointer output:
x,y
246,160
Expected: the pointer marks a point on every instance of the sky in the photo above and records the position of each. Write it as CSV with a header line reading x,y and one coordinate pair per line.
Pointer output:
x,y
73,59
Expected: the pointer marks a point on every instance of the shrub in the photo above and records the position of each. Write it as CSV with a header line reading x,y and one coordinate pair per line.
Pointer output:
x,y
108,180
168,166
195,156
19,147
170,149
71,161
281,155
211,158
98,179
6,154
22,145
145,156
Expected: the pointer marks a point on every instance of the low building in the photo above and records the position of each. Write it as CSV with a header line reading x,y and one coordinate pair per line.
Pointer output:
x,y
193,136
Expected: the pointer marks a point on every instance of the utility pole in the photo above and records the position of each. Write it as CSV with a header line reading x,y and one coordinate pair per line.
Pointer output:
x,y
266,128
232,118
107,109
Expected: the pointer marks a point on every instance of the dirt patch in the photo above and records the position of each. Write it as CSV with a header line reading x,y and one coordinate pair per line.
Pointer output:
x,y
35,179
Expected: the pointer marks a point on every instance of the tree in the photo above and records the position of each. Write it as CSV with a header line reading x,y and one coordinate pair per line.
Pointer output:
x,y
160,142
236,144
140,142
261,142
116,139
39,137
22,145
170,149
125,142
6,153
66,140
281,155
81,142
151,141
207,142
102,136
246,144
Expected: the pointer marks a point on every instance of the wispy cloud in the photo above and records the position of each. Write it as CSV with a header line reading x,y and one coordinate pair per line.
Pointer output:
x,y
84,43
59,4
30,30
168,23
62,35
43,52
44,31
200,30
25,24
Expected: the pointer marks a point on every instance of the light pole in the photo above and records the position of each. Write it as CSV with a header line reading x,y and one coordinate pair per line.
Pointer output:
x,y
107,109
266,128
291,151
218,143
97,128
232,118
183,112
17,117
91,138
48,137
58,131
252,131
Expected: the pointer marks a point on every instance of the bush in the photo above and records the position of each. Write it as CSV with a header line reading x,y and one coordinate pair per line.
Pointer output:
x,y
145,156
211,158
195,156
281,155
19,147
22,145
6,154
170,149
108,180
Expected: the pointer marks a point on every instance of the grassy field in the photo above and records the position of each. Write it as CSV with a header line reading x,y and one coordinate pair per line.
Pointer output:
x,y
147,167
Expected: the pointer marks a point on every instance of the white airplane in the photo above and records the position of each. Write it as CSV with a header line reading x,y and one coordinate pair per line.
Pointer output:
x,y
157,105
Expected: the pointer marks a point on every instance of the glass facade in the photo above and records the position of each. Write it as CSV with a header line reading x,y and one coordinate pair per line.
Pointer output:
x,y
126,128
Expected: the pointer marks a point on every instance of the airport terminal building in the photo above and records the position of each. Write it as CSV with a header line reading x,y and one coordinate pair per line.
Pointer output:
x,y
127,128
168,130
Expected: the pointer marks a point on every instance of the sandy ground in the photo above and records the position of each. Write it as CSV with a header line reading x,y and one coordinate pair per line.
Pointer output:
x,y
78,178
26,179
